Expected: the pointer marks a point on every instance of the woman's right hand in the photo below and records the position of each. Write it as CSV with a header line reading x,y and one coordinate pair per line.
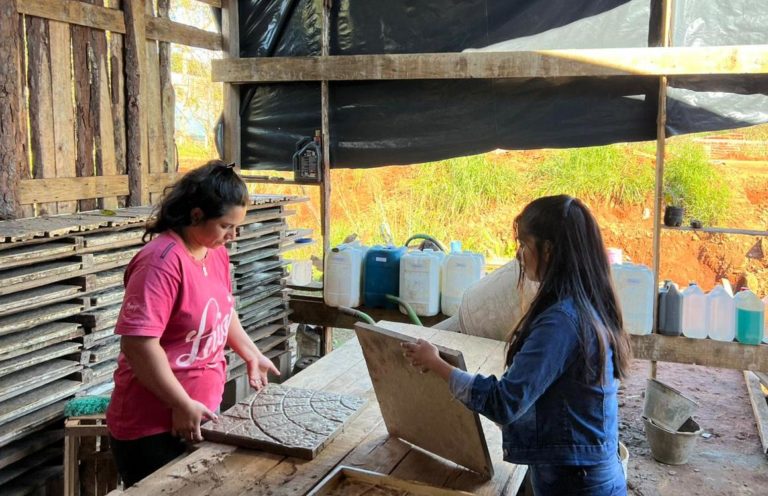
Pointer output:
x,y
186,419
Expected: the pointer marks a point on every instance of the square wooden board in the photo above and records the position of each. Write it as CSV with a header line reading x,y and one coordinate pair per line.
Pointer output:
x,y
418,407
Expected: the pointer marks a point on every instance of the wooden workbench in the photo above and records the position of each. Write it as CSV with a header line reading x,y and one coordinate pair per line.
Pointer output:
x,y
225,470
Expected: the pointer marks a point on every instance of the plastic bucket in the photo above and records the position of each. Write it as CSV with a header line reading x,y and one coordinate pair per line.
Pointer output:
x,y
624,458
672,448
667,406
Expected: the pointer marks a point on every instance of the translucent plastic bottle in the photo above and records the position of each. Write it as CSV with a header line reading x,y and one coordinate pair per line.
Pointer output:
x,y
750,317
461,270
670,310
343,274
721,315
634,288
765,327
420,281
694,312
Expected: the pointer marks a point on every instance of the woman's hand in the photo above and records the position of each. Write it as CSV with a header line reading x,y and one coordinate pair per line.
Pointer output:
x,y
421,354
425,356
186,419
257,371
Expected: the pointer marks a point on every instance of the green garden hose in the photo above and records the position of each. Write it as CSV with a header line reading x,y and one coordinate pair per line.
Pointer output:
x,y
408,309
358,314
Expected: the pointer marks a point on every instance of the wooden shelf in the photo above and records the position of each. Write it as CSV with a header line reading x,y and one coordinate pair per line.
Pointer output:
x,y
705,352
717,230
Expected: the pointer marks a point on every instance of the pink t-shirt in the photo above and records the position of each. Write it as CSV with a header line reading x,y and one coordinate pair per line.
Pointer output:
x,y
188,304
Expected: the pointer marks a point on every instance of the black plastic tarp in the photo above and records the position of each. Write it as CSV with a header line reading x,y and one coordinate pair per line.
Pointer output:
x,y
375,123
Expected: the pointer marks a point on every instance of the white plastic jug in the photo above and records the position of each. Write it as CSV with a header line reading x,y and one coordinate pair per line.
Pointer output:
x,y
721,315
694,312
634,288
420,281
461,269
343,275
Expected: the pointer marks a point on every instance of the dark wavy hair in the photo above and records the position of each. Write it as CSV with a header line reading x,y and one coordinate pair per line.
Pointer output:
x,y
575,266
214,188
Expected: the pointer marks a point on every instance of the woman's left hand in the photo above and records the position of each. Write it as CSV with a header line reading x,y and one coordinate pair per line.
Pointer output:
x,y
421,354
257,371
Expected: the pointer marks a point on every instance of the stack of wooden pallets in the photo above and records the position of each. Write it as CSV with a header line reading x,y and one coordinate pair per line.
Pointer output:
x,y
258,279
61,289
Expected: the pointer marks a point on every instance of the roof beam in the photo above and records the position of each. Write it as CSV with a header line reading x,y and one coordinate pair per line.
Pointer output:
x,y
652,61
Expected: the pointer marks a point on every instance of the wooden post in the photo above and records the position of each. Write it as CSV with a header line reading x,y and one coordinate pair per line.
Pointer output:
x,y
12,128
230,32
117,92
63,106
101,114
661,140
81,50
167,95
325,192
136,93
41,105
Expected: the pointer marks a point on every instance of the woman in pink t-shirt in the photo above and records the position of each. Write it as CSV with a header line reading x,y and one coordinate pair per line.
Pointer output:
x,y
178,314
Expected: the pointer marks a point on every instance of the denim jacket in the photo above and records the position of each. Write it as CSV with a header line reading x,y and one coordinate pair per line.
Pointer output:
x,y
548,412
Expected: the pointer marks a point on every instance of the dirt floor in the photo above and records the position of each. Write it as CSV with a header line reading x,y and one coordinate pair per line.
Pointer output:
x,y
727,460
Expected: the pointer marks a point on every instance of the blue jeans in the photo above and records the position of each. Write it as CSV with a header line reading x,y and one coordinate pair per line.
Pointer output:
x,y
603,479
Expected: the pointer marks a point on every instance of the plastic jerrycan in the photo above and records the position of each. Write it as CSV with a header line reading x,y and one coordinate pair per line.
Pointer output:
x,y
381,275
750,317
765,327
461,269
420,281
721,315
634,286
670,310
343,275
694,312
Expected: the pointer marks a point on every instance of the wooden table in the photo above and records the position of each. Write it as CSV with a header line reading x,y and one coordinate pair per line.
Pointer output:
x,y
225,470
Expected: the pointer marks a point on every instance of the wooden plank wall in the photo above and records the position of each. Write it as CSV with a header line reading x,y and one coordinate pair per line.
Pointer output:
x,y
82,76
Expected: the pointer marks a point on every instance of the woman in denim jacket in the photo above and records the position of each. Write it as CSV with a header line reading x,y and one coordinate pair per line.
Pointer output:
x,y
557,401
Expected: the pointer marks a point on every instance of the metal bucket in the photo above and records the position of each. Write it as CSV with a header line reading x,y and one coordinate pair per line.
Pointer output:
x,y
666,406
672,448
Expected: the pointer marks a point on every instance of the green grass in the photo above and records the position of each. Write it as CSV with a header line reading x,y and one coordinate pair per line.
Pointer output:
x,y
692,182
609,173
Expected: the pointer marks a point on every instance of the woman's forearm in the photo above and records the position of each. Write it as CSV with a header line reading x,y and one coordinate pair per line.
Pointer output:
x,y
239,341
150,365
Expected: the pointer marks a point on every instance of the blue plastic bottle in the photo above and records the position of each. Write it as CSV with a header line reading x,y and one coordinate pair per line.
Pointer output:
x,y
382,275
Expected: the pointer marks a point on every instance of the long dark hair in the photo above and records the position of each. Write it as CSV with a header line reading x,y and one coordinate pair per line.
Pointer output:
x,y
214,188
572,263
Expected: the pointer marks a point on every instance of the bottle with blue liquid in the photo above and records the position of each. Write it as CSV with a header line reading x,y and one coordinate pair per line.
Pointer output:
x,y
750,314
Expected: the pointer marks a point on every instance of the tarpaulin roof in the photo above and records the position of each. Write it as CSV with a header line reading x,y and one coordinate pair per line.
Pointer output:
x,y
375,123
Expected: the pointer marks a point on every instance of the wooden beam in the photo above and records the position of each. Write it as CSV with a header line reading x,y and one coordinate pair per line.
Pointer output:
x,y
704,352
175,32
75,12
82,58
231,45
657,61
137,160
759,407
14,128
80,188
110,19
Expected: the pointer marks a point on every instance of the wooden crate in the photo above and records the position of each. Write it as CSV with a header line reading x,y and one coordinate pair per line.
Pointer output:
x,y
89,469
